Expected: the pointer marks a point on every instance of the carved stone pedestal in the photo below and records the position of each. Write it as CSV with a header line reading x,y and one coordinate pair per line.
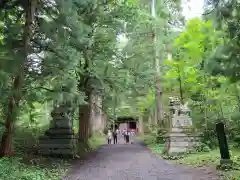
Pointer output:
x,y
59,140
179,142
179,139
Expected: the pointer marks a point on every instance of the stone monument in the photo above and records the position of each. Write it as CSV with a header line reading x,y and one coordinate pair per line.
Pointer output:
x,y
179,139
59,140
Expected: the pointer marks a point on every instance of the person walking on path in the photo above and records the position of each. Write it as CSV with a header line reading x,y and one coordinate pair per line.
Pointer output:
x,y
127,136
124,134
109,136
115,134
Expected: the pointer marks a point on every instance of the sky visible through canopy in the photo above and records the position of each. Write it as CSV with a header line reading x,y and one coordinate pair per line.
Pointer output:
x,y
192,8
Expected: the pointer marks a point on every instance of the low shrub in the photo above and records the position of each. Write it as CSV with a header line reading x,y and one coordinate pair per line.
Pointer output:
x,y
15,168
201,147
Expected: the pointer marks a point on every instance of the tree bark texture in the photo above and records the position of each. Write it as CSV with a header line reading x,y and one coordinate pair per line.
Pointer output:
x,y
6,148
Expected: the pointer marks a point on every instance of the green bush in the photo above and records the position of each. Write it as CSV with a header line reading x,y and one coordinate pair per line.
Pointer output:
x,y
237,141
157,134
149,139
201,147
160,135
209,137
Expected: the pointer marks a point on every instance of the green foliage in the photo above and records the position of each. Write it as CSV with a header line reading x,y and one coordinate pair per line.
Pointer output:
x,y
211,97
62,59
201,147
25,164
107,48
92,144
14,168
150,141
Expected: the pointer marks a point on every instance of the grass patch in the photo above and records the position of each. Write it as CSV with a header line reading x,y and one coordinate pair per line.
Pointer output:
x,y
156,148
212,158
150,141
91,145
96,141
201,159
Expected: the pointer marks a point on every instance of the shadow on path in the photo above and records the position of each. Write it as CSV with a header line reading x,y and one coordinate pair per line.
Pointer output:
x,y
131,162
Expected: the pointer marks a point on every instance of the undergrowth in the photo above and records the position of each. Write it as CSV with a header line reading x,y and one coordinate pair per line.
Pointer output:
x,y
15,168
25,164
150,141
92,144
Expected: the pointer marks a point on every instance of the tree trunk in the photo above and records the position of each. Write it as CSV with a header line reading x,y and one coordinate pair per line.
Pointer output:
x,y
6,142
157,62
6,148
180,85
84,119
84,116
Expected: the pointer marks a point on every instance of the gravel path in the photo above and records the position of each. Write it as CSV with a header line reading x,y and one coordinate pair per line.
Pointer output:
x,y
132,162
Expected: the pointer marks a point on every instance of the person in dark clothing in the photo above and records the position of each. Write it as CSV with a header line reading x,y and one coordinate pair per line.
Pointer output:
x,y
115,137
124,134
127,136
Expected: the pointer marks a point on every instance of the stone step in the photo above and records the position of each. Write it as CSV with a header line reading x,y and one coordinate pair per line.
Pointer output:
x,y
62,131
182,139
60,136
57,146
57,141
57,152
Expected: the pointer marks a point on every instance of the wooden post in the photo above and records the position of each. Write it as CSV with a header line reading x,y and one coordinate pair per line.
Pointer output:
x,y
223,145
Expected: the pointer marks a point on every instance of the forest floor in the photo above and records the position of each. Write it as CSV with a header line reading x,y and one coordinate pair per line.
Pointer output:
x,y
133,162
26,165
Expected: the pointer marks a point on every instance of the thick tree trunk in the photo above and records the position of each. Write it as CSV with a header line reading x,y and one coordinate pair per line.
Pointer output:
x,y
158,74
13,103
6,148
6,143
84,117
84,120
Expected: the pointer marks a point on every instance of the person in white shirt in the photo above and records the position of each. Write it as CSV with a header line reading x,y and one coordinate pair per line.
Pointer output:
x,y
127,136
109,136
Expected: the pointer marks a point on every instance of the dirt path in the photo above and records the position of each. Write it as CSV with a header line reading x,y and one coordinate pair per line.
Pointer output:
x,y
132,162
